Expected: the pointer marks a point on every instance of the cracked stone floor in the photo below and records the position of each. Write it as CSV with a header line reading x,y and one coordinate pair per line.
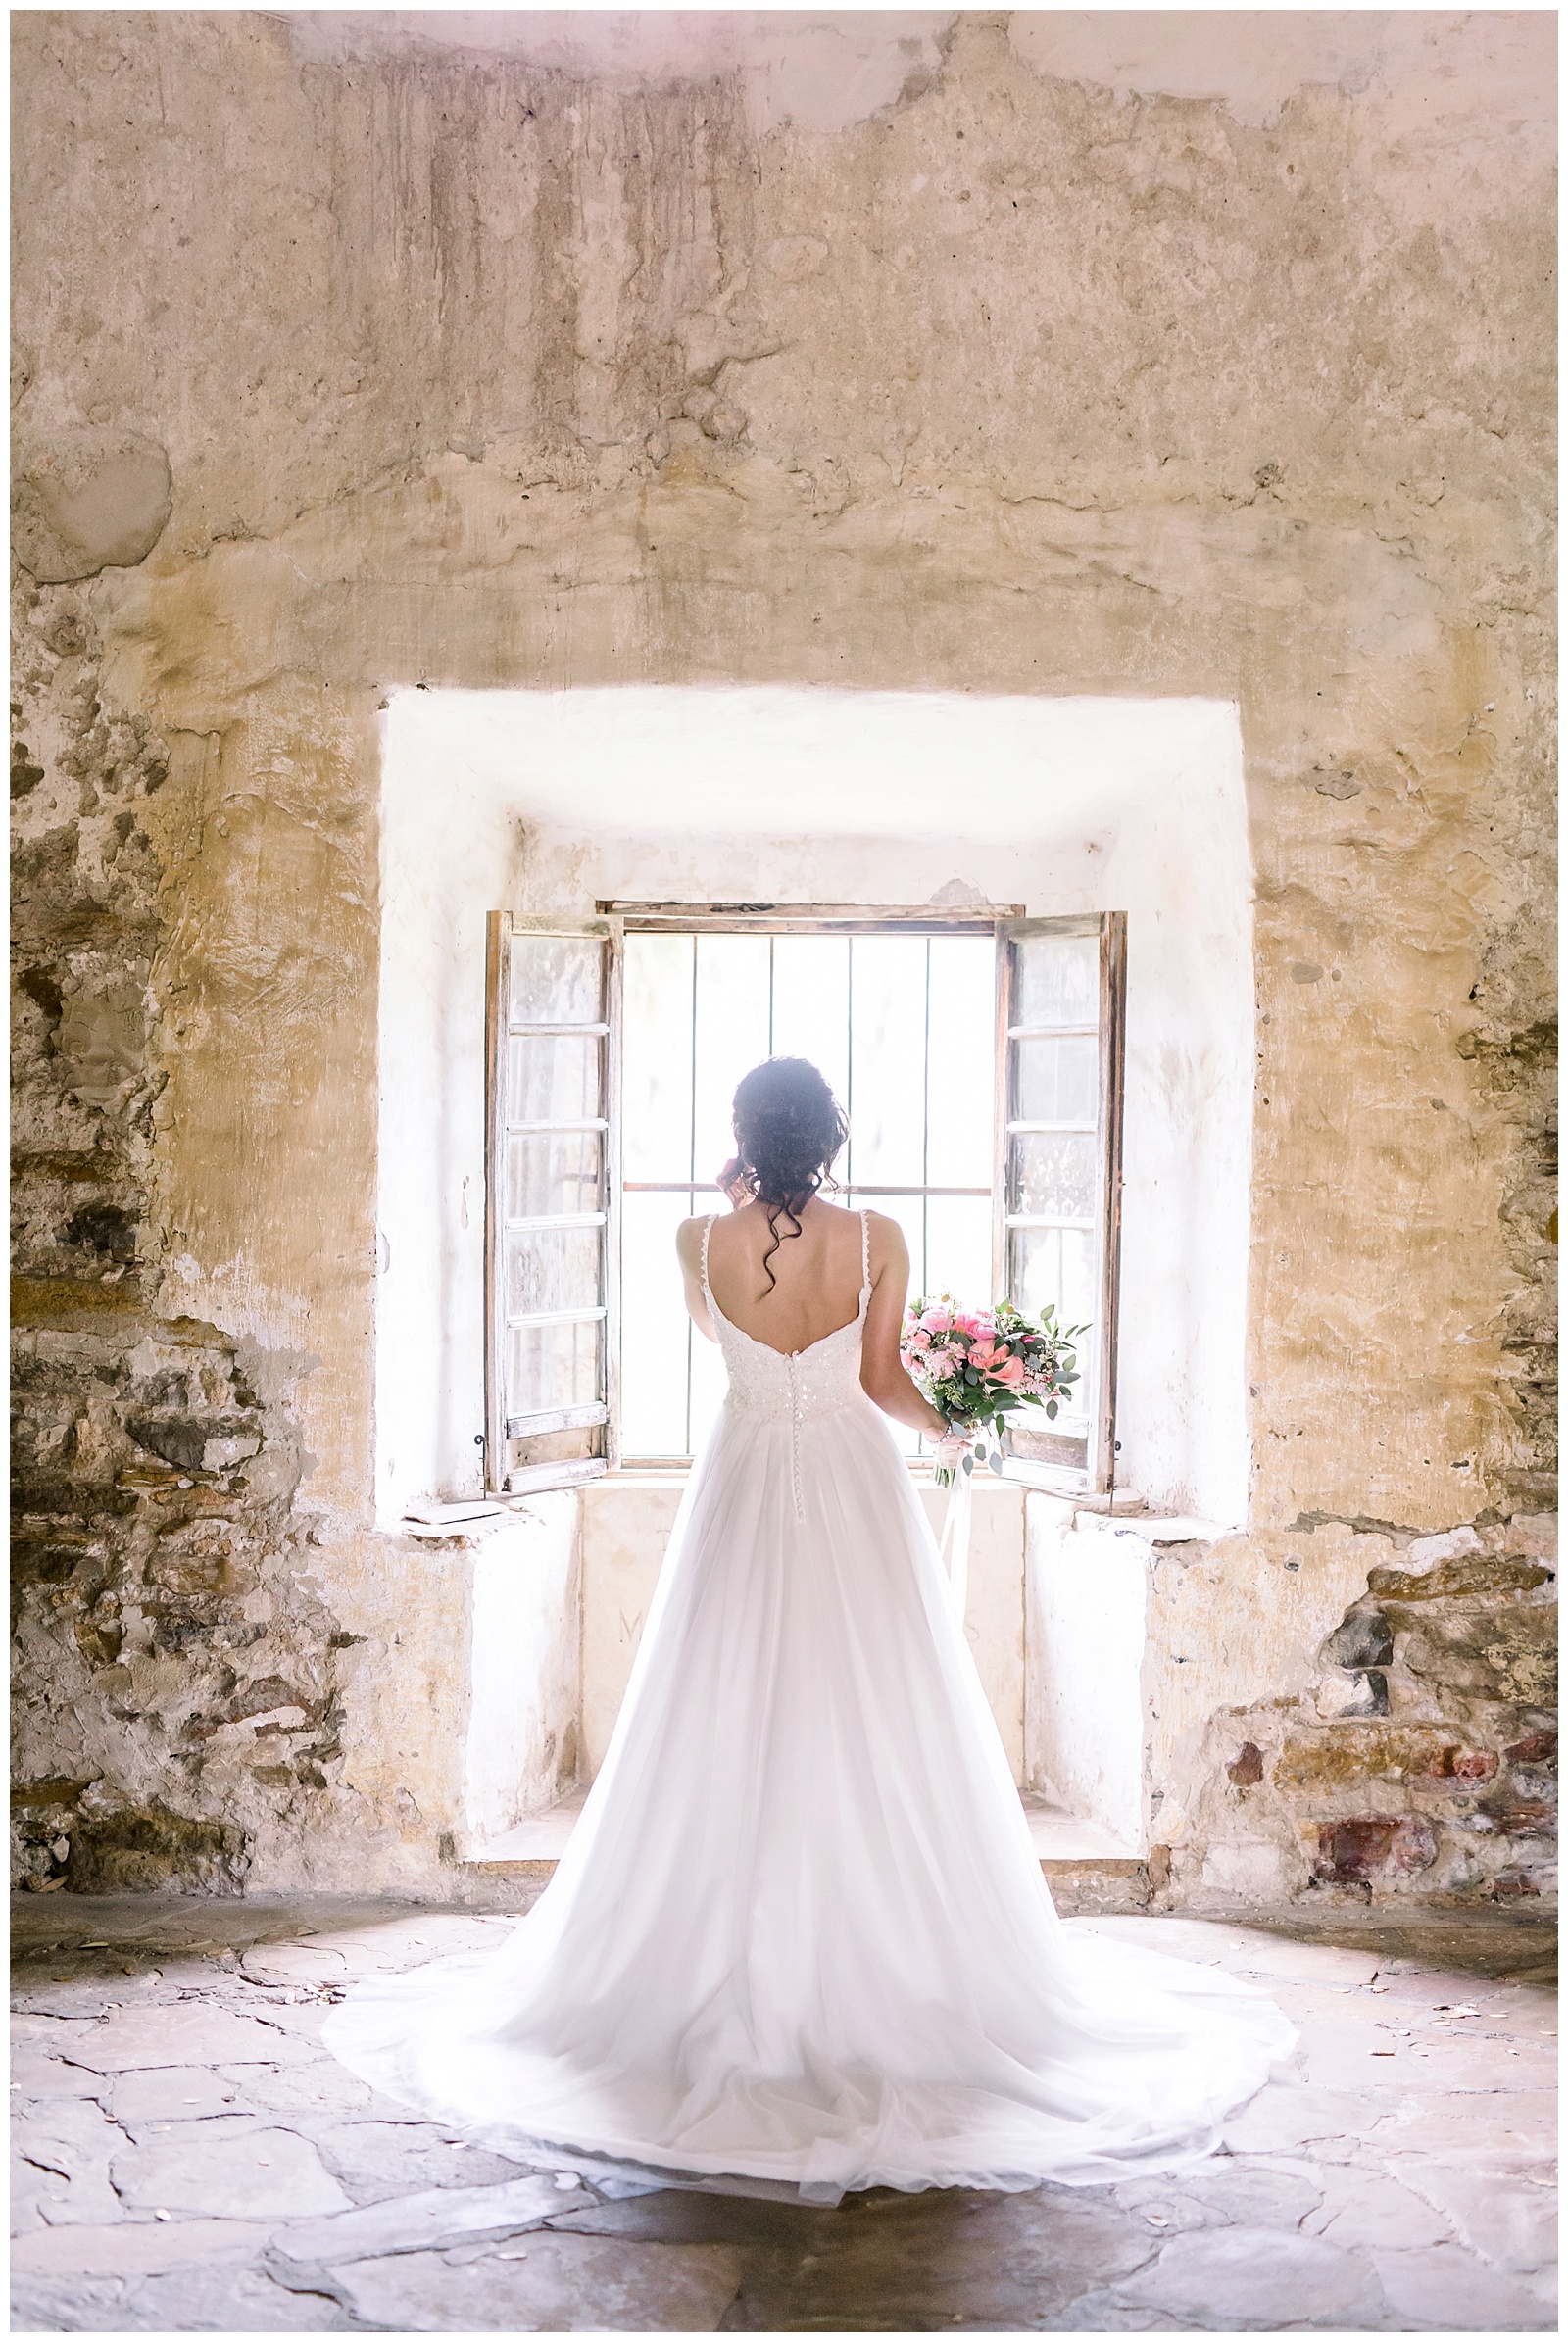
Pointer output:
x,y
188,2159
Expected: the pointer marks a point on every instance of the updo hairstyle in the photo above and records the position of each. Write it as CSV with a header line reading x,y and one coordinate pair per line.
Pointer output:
x,y
789,1127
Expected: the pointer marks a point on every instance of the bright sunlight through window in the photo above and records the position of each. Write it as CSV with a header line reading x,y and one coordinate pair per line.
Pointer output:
x,y
901,1025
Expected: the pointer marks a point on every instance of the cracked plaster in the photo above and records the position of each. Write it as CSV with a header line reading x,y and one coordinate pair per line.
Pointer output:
x,y
505,370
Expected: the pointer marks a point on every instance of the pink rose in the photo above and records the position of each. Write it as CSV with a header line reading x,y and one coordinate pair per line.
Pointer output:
x,y
937,1321
919,1340
1010,1371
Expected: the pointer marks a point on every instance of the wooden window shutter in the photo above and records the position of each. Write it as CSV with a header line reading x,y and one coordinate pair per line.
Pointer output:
x,y
1061,986
552,1191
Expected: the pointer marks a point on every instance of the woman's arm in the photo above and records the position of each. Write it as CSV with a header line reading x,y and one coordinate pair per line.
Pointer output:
x,y
882,1378
689,1252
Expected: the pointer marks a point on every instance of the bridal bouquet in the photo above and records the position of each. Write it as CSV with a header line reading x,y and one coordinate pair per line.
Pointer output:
x,y
977,1366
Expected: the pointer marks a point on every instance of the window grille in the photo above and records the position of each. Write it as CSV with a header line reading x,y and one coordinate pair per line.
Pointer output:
x,y
1012,1098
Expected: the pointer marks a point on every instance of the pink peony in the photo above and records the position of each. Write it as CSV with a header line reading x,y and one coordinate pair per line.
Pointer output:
x,y
937,1321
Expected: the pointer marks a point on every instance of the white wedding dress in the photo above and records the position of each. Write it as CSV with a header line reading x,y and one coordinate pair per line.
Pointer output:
x,y
799,1934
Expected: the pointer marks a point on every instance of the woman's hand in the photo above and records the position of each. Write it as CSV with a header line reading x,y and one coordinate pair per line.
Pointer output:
x,y
951,1449
733,1184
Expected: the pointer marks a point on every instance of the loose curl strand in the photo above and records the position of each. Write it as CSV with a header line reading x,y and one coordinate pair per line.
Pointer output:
x,y
789,1128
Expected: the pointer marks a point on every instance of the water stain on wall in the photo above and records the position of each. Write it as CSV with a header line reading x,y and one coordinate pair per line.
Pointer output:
x,y
1034,375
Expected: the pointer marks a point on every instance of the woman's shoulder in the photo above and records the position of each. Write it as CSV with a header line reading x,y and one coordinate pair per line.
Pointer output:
x,y
881,1227
887,1235
887,1241
689,1237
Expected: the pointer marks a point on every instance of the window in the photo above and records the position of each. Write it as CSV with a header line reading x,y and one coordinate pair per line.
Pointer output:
x,y
1061,986
551,1069
979,1058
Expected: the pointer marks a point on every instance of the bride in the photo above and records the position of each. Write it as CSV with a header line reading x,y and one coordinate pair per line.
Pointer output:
x,y
799,1934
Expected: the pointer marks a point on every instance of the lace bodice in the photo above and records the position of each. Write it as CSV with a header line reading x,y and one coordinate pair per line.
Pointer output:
x,y
795,1387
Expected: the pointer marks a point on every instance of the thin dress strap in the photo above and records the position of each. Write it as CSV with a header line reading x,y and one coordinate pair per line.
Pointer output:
x,y
865,1257
708,1229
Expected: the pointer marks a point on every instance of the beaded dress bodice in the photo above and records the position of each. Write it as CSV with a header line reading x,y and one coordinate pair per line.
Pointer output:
x,y
794,1386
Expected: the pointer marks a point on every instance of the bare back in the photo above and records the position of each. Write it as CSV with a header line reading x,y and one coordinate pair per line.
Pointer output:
x,y
817,1274
820,1278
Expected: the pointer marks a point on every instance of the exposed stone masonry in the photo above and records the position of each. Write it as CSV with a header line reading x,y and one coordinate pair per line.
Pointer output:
x,y
1427,1762
176,1676
337,375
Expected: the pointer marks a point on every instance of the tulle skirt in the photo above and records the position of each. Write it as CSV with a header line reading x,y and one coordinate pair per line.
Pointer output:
x,y
800,1936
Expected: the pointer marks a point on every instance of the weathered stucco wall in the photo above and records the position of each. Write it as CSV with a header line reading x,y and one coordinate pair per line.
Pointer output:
x,y
1031,362
552,802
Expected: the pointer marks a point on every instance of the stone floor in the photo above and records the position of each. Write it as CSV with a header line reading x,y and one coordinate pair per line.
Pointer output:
x,y
189,2160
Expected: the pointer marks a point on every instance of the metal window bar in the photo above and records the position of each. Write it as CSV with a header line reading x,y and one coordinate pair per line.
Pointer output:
x,y
722,919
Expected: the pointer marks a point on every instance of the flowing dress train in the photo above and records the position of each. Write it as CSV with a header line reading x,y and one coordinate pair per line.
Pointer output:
x,y
799,1934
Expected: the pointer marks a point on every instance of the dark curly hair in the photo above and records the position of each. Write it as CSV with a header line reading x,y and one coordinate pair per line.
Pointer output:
x,y
788,1128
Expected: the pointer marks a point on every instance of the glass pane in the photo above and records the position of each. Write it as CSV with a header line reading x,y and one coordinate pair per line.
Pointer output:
x,y
1057,980
1037,1269
1055,1175
887,1069
554,1366
1056,1268
553,1172
1057,1081
557,979
654,1327
811,1005
958,1241
657,1056
554,1268
553,1078
731,1038
963,1061
1080,1278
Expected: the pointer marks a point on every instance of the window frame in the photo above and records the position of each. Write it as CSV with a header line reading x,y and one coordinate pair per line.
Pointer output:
x,y
610,923
1099,1475
504,1433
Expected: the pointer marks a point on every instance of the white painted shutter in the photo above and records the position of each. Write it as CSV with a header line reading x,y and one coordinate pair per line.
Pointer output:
x,y
1062,1023
550,1202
